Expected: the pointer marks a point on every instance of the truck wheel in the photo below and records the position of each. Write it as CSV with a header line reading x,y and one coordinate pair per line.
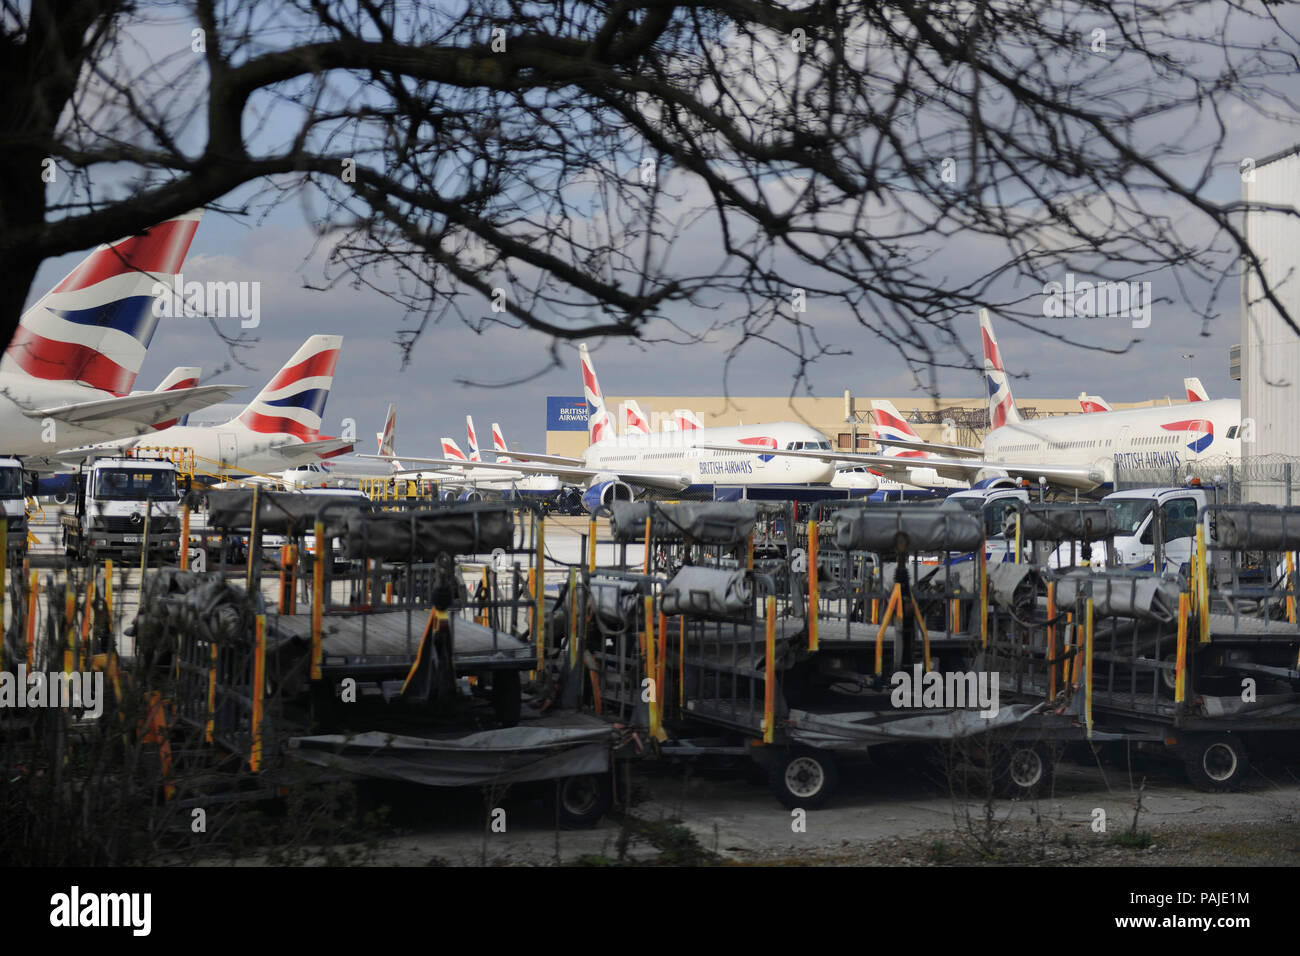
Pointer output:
x,y
804,778
1216,762
1024,770
505,697
581,801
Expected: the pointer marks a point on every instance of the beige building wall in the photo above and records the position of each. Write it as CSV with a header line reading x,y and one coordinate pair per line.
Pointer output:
x,y
841,420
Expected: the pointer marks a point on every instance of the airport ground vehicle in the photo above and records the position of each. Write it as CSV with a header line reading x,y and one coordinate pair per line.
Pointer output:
x,y
122,505
14,503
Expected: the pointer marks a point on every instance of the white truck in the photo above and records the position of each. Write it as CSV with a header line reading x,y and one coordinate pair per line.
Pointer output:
x,y
120,500
1147,518
995,504
14,502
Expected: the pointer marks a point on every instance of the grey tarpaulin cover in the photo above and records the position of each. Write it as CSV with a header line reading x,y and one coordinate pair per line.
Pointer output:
x,y
1043,522
388,535
708,592
544,750
1262,527
614,599
929,529
1005,579
857,731
279,512
1149,597
710,522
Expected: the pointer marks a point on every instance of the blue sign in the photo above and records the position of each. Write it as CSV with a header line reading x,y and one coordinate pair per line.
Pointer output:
x,y
566,414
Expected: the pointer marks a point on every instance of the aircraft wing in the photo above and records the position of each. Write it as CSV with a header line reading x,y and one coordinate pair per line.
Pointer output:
x,y
961,451
546,459
321,448
137,412
574,474
963,468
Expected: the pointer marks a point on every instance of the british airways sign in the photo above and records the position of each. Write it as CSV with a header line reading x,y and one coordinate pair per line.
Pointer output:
x,y
566,413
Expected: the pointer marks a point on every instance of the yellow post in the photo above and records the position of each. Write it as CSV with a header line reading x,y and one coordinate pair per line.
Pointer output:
x,y
925,635
895,606
317,600
184,547
540,594
769,682
1203,587
1291,588
212,693
647,544
1051,640
681,661
813,596
661,658
650,668
108,591
1087,676
484,616
33,596
87,613
749,552
573,621
591,545
259,682
388,590
1017,559
1180,667
984,598
69,616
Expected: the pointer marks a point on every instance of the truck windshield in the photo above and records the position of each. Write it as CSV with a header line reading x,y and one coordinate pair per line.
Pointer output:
x,y
124,484
1130,513
11,482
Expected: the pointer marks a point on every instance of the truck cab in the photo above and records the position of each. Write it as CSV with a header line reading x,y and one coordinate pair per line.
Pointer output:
x,y
115,499
14,502
995,504
1149,519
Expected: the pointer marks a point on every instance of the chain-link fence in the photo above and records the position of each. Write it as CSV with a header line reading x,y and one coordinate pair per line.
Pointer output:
x,y
1263,479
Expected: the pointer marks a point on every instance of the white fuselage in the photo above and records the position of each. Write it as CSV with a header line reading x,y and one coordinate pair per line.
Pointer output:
x,y
675,453
230,447
1136,438
24,435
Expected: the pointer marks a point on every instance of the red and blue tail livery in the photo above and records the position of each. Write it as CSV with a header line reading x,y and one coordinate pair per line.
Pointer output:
x,y
95,326
1202,427
294,401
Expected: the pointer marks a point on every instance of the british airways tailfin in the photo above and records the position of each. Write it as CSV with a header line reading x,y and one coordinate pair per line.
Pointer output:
x,y
686,420
499,443
634,420
1195,390
183,376
292,403
888,423
388,437
451,450
473,439
599,426
1093,403
95,326
1002,407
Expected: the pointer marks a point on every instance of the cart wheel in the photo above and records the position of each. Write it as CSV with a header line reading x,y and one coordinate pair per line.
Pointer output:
x,y
804,778
1024,770
1168,677
505,697
581,801
1216,762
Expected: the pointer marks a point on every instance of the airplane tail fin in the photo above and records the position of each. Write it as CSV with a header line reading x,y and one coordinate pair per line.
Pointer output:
x,y
1195,390
95,326
1093,403
473,439
599,426
686,420
183,376
293,402
499,443
388,437
451,450
1002,407
888,423
634,420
